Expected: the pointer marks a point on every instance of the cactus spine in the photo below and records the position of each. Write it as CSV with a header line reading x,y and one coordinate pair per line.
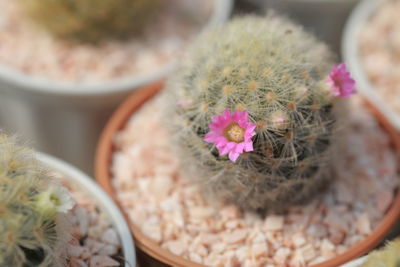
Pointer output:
x,y
91,20
277,72
33,230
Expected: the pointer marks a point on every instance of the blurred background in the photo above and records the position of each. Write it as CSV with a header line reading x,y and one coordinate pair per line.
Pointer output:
x,y
324,18
44,96
63,75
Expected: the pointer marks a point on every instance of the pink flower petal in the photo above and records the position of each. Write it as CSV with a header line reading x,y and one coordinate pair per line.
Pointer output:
x,y
233,156
221,141
227,114
229,147
248,147
239,148
245,115
341,82
211,137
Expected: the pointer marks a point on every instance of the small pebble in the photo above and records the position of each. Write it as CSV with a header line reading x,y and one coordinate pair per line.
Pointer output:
x,y
103,261
273,223
235,237
176,247
95,242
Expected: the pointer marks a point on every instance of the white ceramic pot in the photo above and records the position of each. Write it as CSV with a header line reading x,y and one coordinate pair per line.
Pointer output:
x,y
104,202
65,120
325,18
351,55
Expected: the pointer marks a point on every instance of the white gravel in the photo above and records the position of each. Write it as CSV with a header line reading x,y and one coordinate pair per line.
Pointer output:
x,y
25,47
95,242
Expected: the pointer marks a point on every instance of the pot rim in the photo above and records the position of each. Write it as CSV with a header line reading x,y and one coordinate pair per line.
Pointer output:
x,y
350,52
222,10
103,160
102,200
321,2
356,262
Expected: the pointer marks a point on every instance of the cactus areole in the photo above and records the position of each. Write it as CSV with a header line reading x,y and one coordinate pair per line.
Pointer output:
x,y
252,112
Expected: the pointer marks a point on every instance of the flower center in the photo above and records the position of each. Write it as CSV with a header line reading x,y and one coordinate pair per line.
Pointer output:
x,y
234,133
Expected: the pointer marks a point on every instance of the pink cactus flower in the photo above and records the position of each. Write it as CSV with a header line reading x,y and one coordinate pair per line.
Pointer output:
x,y
341,82
231,133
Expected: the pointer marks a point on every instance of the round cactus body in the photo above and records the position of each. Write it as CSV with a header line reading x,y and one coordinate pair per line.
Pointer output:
x,y
273,74
91,20
33,231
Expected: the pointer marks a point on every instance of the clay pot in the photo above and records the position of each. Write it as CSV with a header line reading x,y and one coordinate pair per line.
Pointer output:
x,y
151,254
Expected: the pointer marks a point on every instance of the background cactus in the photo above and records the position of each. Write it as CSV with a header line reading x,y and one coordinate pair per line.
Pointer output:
x,y
91,20
277,72
387,257
33,230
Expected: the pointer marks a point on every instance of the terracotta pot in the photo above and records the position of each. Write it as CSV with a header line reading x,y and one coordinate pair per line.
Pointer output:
x,y
150,253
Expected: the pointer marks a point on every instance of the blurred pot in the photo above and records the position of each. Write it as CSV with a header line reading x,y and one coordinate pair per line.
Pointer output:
x,y
351,55
355,263
325,18
65,120
102,200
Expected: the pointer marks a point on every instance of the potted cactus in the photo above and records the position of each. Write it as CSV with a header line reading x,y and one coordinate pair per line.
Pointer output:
x,y
44,223
248,163
79,59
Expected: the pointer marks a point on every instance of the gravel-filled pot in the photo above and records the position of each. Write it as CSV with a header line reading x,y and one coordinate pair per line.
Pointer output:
x,y
76,178
65,115
150,253
374,69
257,152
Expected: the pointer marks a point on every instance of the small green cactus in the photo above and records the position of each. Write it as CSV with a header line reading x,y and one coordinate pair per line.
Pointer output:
x,y
91,20
386,257
276,72
33,228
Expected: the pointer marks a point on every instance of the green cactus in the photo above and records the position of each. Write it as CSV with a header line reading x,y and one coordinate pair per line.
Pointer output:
x,y
33,228
91,20
386,257
277,72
